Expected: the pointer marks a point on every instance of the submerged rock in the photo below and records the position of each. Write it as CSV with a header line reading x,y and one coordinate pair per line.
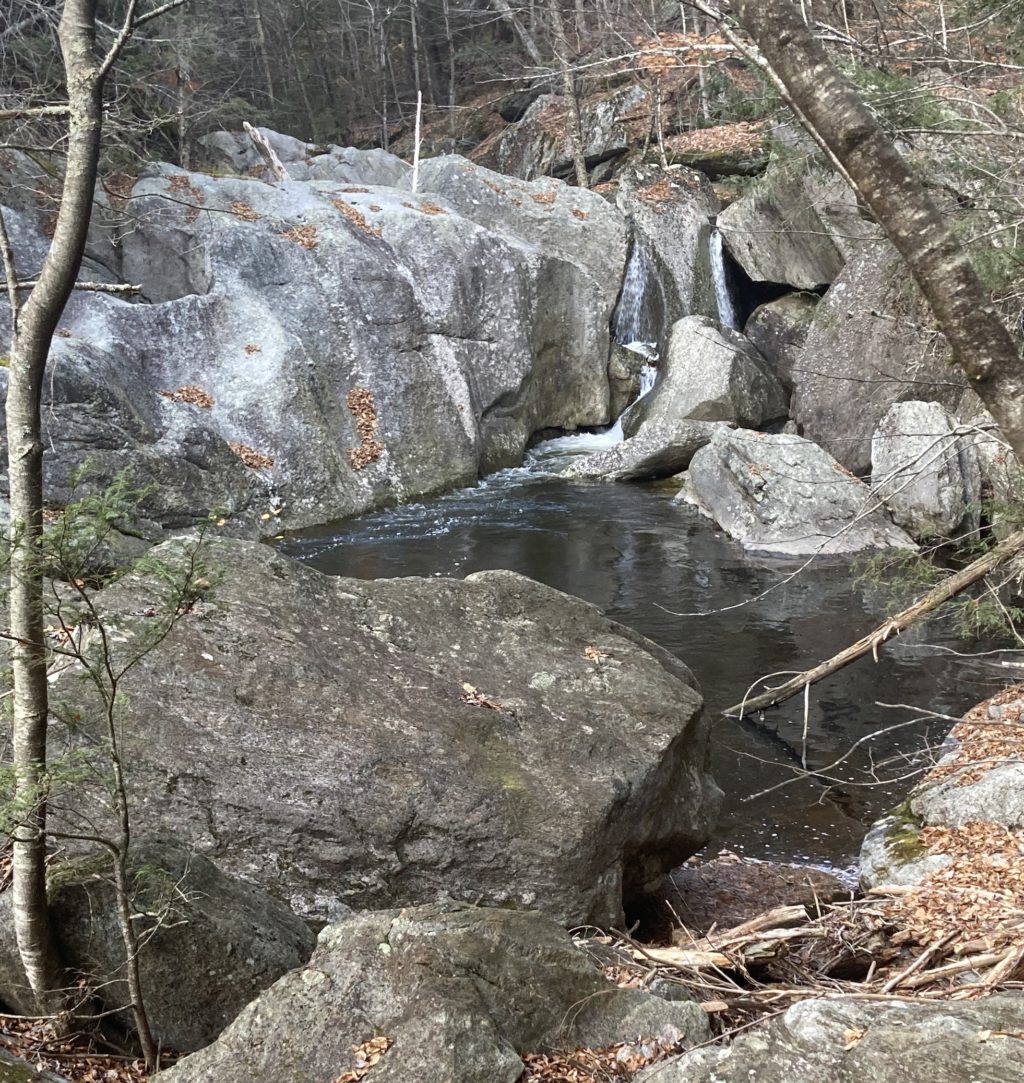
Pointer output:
x,y
926,471
210,942
350,744
844,1041
784,496
453,993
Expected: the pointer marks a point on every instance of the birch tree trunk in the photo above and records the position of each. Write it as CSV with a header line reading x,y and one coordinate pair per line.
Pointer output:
x,y
524,36
980,343
34,326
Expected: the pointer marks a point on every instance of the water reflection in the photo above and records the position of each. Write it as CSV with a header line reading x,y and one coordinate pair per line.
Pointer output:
x,y
631,551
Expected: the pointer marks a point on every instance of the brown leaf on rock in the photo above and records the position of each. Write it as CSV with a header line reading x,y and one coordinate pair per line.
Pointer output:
x,y
363,408
255,460
367,1054
472,695
303,236
356,217
242,210
192,394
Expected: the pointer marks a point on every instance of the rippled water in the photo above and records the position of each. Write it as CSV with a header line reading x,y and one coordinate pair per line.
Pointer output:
x,y
645,560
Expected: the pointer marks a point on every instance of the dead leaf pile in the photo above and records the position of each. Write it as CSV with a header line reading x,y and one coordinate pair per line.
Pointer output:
x,y
983,742
620,1061
190,393
255,460
367,1055
304,236
721,139
363,408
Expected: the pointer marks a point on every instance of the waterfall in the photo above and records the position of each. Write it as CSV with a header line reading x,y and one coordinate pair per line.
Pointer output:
x,y
727,314
632,320
615,435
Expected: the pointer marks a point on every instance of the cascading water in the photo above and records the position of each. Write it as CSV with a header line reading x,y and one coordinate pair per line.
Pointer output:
x,y
632,320
727,314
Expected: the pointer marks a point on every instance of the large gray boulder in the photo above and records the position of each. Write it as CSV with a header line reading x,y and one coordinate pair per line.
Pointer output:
x,y
670,212
311,350
777,329
659,450
844,1041
924,467
871,343
350,744
786,497
710,373
1002,476
302,161
456,992
798,226
210,942
538,144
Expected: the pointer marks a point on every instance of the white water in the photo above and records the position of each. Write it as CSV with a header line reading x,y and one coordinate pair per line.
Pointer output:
x,y
632,317
586,443
727,314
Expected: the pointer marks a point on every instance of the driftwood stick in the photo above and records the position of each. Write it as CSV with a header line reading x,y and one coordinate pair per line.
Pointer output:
x,y
993,559
919,963
266,151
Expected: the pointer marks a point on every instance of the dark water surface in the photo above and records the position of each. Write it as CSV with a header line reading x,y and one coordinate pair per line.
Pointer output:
x,y
628,549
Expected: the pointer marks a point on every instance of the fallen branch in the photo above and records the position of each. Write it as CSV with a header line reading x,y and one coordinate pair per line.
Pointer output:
x,y
274,164
947,589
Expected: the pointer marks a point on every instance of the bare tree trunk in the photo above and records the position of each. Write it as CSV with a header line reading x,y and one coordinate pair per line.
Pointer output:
x,y
450,43
572,106
962,307
524,36
34,326
261,42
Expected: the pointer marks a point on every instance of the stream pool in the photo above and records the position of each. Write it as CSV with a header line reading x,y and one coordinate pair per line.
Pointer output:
x,y
669,573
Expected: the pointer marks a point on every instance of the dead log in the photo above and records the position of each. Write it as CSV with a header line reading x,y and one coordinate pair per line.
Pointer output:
x,y
948,588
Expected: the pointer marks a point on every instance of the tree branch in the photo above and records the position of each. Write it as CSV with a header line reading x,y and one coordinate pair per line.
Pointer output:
x,y
996,557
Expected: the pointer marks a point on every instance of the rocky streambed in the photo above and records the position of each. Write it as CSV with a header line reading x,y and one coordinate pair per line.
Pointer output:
x,y
492,719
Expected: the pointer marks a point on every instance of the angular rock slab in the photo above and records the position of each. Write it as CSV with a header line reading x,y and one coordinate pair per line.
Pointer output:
x,y
346,743
458,991
778,329
926,471
670,213
798,227
833,1041
221,943
871,343
784,496
710,373
658,450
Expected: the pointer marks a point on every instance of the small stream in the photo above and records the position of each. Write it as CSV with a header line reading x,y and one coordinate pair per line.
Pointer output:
x,y
628,549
